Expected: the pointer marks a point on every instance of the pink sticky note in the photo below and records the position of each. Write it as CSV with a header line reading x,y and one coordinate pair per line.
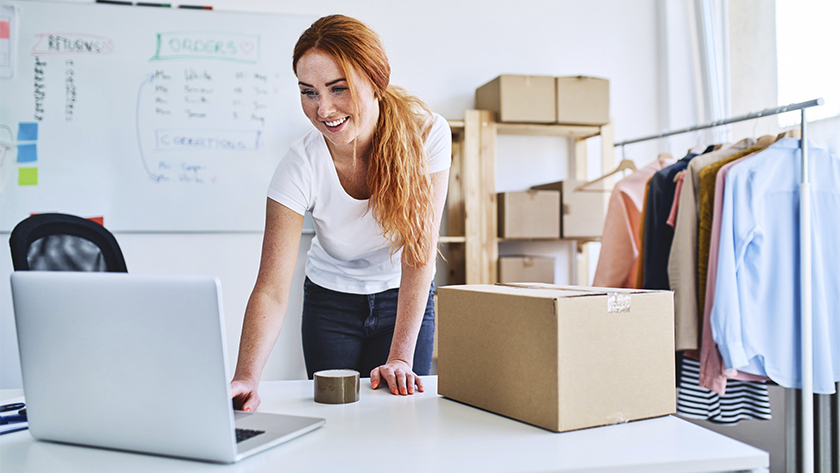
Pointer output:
x,y
4,30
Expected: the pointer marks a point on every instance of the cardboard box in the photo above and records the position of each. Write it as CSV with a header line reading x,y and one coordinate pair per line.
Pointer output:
x,y
519,99
529,214
435,343
561,358
526,269
583,211
583,100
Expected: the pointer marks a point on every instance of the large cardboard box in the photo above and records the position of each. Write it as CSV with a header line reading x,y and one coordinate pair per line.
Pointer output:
x,y
561,358
583,211
583,100
529,214
519,99
526,269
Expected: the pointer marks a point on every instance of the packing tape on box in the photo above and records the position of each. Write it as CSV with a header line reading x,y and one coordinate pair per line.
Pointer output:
x,y
618,303
336,386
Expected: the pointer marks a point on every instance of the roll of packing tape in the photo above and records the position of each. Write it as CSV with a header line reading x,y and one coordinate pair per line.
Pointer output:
x,y
336,386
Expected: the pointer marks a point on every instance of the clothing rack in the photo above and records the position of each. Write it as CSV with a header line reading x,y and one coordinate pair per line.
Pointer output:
x,y
807,401
726,121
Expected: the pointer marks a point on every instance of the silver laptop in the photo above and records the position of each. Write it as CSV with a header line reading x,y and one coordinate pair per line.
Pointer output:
x,y
137,363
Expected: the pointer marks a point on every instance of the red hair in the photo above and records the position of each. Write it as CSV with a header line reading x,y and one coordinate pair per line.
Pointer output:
x,y
398,177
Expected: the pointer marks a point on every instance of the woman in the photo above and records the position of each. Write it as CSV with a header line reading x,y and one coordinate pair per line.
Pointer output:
x,y
373,174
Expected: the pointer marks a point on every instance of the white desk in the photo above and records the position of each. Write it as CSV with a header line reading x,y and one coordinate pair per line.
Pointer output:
x,y
423,432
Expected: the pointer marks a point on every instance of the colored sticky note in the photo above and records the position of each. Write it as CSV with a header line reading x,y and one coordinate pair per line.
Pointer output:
x,y
4,29
27,176
27,153
27,131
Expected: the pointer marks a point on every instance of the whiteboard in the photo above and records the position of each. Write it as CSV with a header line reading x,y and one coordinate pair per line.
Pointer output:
x,y
156,119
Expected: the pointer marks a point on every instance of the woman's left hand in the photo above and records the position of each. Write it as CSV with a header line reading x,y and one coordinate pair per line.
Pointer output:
x,y
398,376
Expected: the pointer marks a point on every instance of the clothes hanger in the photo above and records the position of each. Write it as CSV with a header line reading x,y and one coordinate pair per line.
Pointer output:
x,y
699,147
723,137
624,165
792,133
666,156
763,140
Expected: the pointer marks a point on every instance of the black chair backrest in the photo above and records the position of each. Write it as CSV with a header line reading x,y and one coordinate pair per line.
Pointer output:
x,y
61,242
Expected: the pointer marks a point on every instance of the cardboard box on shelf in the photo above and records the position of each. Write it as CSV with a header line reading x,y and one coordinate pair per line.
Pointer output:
x,y
583,211
529,214
519,99
561,358
583,100
526,269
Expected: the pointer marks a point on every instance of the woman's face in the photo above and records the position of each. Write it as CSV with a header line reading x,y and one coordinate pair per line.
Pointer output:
x,y
327,103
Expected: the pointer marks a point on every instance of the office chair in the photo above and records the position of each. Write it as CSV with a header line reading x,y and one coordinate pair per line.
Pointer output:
x,y
61,242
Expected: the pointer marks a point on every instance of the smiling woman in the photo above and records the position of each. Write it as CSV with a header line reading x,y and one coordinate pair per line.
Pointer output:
x,y
329,105
373,173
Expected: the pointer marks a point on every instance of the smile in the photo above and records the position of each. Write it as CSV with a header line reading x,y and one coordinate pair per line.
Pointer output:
x,y
336,123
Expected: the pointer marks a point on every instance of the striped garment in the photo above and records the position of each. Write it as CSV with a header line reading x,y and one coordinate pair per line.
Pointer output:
x,y
744,400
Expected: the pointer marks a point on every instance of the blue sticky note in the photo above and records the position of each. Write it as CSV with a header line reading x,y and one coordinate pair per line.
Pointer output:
x,y
27,153
27,131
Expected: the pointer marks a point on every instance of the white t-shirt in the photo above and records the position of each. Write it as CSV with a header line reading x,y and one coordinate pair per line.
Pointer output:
x,y
349,253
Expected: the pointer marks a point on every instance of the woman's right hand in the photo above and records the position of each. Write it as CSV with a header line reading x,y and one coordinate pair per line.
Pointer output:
x,y
268,302
244,394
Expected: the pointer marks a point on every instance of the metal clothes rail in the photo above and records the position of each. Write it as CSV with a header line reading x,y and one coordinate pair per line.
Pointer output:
x,y
726,121
807,402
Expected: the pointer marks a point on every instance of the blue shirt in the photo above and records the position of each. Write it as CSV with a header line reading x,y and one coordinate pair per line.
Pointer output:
x,y
756,314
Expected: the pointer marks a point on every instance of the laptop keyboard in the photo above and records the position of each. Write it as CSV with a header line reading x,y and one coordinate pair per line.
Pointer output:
x,y
244,434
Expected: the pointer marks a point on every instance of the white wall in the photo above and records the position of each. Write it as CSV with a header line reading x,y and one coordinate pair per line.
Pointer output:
x,y
442,50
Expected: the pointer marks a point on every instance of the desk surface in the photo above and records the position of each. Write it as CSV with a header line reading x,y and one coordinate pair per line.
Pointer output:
x,y
424,432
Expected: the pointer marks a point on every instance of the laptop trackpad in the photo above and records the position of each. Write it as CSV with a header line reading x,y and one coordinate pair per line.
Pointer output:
x,y
277,428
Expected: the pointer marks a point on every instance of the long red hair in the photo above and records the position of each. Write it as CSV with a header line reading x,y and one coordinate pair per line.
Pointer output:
x,y
398,175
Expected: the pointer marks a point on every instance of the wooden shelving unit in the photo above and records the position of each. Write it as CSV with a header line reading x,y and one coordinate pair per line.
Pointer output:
x,y
471,203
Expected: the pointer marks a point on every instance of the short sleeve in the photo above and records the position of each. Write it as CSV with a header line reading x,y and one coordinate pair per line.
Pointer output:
x,y
439,145
292,182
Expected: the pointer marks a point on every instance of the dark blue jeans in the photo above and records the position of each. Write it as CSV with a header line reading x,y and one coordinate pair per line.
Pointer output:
x,y
354,331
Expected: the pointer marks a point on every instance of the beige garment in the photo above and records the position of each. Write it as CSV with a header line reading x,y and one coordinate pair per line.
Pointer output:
x,y
682,261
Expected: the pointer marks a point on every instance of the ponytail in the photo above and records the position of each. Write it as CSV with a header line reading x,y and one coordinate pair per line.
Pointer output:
x,y
399,180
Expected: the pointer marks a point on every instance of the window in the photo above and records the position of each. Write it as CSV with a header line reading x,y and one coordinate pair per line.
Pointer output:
x,y
808,56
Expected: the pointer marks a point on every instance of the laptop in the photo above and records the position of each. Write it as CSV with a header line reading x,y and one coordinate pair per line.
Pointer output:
x,y
137,363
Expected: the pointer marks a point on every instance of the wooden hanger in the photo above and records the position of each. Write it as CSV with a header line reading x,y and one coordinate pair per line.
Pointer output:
x,y
792,133
624,165
765,140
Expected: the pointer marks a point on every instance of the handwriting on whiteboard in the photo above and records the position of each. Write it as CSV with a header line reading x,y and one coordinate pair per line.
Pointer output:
x,y
208,45
204,101
188,112
72,43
